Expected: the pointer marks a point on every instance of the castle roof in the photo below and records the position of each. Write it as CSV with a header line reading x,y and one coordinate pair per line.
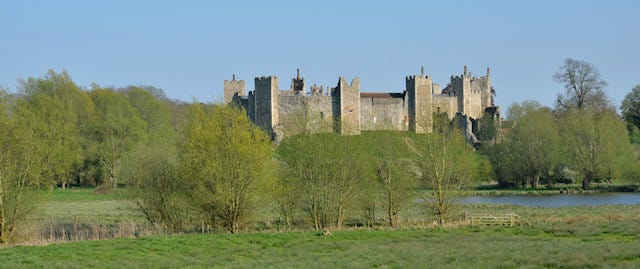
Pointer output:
x,y
381,95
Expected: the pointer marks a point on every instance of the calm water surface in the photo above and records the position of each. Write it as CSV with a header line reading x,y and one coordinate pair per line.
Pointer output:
x,y
557,200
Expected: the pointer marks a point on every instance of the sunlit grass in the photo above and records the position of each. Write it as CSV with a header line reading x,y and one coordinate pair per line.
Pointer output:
x,y
580,236
465,247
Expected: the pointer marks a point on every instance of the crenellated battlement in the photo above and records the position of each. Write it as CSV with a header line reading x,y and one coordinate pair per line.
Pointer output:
x,y
266,78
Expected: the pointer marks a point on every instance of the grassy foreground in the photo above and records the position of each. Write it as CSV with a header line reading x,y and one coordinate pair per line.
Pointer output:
x,y
468,247
579,237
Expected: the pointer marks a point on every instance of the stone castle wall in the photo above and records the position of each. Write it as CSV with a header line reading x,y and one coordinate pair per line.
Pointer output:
x,y
443,103
383,111
346,110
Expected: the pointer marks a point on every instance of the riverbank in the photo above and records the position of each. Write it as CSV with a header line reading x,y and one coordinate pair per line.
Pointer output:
x,y
494,189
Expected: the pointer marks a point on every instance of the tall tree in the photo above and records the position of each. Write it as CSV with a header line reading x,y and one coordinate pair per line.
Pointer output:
x,y
58,112
117,130
447,166
396,176
583,87
229,160
19,170
533,142
631,112
329,173
597,144
160,191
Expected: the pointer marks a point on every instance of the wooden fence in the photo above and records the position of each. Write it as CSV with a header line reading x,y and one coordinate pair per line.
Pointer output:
x,y
491,220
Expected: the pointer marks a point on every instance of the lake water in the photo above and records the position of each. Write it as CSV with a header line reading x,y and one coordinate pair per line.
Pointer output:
x,y
557,200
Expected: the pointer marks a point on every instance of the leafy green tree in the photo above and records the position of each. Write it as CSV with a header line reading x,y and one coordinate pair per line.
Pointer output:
x,y
58,112
329,172
117,130
229,160
583,87
152,172
597,144
503,162
533,142
19,170
396,176
446,166
155,112
285,194
631,113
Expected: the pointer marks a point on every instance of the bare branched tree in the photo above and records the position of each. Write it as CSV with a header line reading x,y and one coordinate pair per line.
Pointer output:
x,y
584,88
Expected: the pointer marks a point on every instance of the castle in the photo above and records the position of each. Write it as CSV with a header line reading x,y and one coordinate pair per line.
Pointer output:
x,y
346,110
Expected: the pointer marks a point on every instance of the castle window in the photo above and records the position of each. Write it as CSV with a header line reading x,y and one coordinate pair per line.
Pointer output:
x,y
321,115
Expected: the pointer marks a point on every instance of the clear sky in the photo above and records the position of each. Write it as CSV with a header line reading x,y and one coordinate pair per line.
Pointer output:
x,y
187,48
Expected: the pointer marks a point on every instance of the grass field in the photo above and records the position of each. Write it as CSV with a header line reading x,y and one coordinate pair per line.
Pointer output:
x,y
467,247
579,237
79,214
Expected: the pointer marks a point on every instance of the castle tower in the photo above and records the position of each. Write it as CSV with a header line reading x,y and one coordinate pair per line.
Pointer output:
x,y
420,100
462,89
486,91
232,88
297,84
349,106
266,102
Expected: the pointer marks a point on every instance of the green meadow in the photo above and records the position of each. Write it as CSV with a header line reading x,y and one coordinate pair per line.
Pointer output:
x,y
599,245
564,237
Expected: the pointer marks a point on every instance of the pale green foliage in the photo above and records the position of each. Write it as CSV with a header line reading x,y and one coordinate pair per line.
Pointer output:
x,y
117,130
327,174
530,148
229,160
19,169
631,113
396,176
152,170
447,166
154,112
57,111
284,194
597,144
152,174
518,110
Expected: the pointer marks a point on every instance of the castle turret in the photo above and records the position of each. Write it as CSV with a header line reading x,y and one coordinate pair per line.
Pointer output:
x,y
266,102
349,106
297,84
486,90
233,87
420,100
461,87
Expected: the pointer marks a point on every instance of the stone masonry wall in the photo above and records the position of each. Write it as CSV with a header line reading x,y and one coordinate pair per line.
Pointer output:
x,y
386,113
301,113
445,104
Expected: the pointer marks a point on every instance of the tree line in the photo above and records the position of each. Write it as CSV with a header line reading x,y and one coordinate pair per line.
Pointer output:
x,y
581,139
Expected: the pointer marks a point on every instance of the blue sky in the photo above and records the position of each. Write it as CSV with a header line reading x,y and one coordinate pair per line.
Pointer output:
x,y
187,48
